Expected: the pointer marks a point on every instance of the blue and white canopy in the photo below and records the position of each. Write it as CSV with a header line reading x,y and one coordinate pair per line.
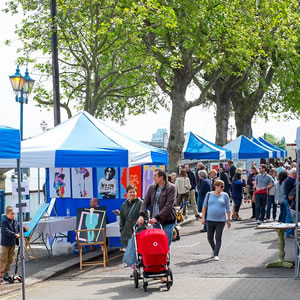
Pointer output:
x,y
196,147
274,153
84,141
243,148
9,143
283,152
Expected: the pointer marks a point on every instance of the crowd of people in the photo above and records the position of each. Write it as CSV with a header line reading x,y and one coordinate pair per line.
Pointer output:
x,y
209,193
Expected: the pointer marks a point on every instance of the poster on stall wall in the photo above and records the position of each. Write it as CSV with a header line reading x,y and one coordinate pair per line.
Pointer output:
x,y
24,185
148,172
60,182
135,178
25,209
82,182
107,180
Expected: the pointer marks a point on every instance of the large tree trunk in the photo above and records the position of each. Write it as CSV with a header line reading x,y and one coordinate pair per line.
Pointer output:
x,y
176,139
222,100
243,124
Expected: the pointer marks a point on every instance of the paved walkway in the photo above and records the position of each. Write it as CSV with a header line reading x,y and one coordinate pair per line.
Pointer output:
x,y
240,273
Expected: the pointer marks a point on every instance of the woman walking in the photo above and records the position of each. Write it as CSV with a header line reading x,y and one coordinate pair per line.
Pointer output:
x,y
237,195
279,194
251,187
217,206
183,186
129,213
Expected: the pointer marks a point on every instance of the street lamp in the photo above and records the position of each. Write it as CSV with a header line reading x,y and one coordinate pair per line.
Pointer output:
x,y
22,86
165,140
44,125
231,130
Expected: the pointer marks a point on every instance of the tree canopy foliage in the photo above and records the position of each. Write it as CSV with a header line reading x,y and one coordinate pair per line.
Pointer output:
x,y
101,69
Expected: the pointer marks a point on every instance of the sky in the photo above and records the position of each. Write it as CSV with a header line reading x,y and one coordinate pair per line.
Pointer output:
x,y
139,127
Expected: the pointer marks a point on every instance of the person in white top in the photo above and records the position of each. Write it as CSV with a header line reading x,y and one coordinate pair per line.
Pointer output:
x,y
183,186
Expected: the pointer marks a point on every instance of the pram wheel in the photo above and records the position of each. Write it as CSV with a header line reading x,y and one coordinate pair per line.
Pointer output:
x,y
145,285
175,236
136,278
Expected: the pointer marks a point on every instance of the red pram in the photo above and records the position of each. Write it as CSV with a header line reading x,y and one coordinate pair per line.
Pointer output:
x,y
152,254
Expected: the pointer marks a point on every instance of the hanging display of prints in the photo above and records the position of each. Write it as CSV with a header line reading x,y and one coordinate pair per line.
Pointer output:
x,y
148,172
107,179
82,182
135,178
59,179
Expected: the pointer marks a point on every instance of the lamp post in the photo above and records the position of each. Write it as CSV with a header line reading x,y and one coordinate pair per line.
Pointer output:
x,y
22,86
44,125
165,140
231,130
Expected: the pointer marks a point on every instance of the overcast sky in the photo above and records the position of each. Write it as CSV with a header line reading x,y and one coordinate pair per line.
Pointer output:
x,y
139,127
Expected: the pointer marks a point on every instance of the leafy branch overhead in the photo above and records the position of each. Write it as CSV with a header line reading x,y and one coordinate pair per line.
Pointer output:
x,y
101,69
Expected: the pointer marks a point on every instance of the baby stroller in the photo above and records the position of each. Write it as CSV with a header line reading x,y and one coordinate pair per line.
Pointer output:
x,y
152,256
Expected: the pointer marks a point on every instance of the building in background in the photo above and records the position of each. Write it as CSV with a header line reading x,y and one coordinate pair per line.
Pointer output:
x,y
291,150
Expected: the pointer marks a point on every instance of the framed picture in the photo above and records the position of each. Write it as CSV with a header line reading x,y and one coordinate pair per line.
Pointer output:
x,y
82,182
108,183
135,178
91,218
60,182
148,172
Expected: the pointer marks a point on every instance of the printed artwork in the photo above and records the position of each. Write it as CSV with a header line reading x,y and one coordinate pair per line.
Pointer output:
x,y
107,179
148,172
60,182
135,178
91,218
82,182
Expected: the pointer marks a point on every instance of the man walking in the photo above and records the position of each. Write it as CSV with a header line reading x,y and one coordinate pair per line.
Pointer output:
x,y
263,183
192,196
161,198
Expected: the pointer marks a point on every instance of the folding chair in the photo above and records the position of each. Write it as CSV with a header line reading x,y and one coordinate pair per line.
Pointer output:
x,y
83,240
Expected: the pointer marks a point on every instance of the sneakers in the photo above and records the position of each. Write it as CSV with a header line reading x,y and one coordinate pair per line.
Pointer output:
x,y
216,258
267,220
258,222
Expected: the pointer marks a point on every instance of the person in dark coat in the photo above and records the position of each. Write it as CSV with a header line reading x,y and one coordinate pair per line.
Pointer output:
x,y
9,239
129,213
237,195
224,177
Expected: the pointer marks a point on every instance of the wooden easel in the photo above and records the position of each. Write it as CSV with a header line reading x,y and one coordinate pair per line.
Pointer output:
x,y
83,241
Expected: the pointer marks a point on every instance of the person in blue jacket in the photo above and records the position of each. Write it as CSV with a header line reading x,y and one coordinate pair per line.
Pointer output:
x,y
237,195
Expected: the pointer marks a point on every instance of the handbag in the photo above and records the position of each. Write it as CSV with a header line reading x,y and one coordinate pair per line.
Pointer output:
x,y
253,198
129,257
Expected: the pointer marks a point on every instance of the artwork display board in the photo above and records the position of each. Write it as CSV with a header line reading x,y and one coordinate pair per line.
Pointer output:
x,y
107,180
82,182
25,209
148,172
91,218
36,218
135,178
60,182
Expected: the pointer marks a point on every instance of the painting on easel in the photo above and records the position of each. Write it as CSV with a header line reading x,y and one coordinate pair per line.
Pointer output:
x,y
91,218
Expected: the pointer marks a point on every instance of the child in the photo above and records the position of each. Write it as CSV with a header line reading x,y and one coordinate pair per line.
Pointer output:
x,y
9,239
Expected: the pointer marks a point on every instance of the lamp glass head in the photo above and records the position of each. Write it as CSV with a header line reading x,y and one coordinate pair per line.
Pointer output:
x,y
29,82
17,81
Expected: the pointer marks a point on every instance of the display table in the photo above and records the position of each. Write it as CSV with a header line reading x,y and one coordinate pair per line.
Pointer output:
x,y
280,229
53,226
113,229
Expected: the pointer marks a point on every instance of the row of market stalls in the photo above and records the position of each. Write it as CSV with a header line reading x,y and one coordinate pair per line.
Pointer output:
x,y
196,147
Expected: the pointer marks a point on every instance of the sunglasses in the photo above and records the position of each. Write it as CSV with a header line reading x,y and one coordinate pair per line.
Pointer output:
x,y
221,186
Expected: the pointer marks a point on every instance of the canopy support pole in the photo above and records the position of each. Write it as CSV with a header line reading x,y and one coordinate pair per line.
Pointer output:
x,y
22,258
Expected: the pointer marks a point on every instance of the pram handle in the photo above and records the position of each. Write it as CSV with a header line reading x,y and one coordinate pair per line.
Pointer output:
x,y
136,225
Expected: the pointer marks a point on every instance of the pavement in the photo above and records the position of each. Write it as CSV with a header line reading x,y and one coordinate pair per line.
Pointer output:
x,y
241,272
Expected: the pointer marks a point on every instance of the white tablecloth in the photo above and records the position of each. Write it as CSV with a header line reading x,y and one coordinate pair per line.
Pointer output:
x,y
113,229
55,225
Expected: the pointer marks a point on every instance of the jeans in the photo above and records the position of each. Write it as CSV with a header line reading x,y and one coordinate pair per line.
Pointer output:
x,y
282,214
212,228
288,218
271,201
199,203
168,229
181,198
261,201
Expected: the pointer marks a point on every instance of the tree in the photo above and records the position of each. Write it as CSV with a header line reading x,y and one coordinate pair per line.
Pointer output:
x,y
192,43
269,84
101,70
